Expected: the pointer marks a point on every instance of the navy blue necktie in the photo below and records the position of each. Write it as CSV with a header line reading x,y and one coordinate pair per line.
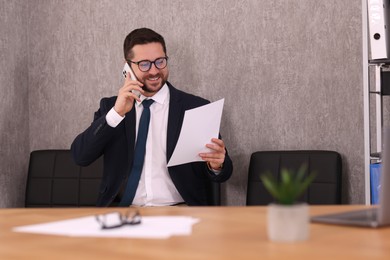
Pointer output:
x,y
139,155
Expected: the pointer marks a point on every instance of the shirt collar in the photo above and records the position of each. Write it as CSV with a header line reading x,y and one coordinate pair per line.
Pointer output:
x,y
160,97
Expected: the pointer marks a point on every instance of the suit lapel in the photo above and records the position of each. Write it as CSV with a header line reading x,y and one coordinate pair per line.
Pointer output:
x,y
175,119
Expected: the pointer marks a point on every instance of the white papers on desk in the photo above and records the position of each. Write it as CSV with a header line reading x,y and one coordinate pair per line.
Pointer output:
x,y
199,126
153,227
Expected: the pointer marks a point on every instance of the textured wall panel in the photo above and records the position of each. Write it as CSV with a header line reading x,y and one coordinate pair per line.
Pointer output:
x,y
14,143
289,70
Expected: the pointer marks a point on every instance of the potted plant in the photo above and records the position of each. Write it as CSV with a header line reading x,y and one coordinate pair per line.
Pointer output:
x,y
287,219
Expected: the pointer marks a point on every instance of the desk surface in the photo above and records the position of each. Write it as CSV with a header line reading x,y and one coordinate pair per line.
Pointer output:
x,y
222,233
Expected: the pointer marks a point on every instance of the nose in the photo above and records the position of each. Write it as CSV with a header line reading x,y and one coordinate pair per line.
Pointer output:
x,y
154,69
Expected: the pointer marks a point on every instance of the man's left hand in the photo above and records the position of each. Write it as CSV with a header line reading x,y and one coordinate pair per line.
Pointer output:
x,y
215,158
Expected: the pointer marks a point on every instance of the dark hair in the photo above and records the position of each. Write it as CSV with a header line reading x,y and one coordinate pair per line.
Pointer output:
x,y
141,36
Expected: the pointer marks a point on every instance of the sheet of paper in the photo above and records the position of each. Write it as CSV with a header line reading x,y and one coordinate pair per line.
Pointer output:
x,y
199,126
156,227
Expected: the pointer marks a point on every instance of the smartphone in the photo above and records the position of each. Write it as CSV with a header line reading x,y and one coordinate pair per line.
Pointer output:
x,y
127,69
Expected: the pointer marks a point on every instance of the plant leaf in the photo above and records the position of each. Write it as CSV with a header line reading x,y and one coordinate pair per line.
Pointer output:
x,y
301,172
271,184
305,184
290,186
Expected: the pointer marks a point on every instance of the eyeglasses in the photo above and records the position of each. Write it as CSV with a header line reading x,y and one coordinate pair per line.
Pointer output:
x,y
145,65
117,219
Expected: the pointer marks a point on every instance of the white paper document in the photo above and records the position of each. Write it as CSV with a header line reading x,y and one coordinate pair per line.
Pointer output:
x,y
156,227
199,126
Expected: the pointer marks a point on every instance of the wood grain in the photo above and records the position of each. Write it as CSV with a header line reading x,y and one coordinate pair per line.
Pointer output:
x,y
222,233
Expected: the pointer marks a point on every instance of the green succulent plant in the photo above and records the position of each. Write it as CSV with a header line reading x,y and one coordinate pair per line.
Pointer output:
x,y
291,185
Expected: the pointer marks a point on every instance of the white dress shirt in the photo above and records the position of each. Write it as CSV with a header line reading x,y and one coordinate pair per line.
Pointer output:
x,y
155,187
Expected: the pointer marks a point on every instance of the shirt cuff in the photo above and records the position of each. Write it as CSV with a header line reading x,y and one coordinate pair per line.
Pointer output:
x,y
113,118
216,172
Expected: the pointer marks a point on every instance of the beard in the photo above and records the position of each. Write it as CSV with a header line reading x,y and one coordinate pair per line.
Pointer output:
x,y
154,87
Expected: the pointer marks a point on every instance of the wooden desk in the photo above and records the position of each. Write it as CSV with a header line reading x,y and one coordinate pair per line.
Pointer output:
x,y
222,233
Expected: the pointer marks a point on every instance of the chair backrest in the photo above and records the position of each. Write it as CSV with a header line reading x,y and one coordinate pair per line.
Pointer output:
x,y
325,189
54,180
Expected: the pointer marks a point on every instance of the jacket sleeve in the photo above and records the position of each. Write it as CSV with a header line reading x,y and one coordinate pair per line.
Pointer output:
x,y
90,144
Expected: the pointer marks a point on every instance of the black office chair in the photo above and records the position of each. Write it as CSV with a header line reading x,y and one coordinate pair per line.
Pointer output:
x,y
325,189
54,180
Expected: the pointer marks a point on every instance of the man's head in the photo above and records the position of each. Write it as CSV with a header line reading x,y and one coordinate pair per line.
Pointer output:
x,y
141,47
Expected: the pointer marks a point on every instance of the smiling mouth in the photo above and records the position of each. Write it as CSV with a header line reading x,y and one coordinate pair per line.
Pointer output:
x,y
155,78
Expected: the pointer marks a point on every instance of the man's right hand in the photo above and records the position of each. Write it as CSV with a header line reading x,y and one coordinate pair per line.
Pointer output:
x,y
124,101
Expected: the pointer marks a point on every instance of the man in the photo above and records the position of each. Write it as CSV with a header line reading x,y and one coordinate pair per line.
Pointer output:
x,y
116,126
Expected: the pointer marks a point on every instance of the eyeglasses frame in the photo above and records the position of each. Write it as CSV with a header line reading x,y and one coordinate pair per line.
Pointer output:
x,y
135,219
150,62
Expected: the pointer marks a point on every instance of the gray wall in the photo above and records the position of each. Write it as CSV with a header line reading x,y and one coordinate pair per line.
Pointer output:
x,y
14,107
290,72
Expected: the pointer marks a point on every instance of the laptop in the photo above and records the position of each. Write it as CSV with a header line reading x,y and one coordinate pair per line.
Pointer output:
x,y
374,217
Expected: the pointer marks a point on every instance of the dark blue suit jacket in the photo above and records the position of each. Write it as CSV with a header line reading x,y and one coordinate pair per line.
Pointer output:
x,y
117,146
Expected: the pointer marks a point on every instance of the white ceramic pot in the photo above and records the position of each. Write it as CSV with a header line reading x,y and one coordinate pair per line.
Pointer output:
x,y
288,223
